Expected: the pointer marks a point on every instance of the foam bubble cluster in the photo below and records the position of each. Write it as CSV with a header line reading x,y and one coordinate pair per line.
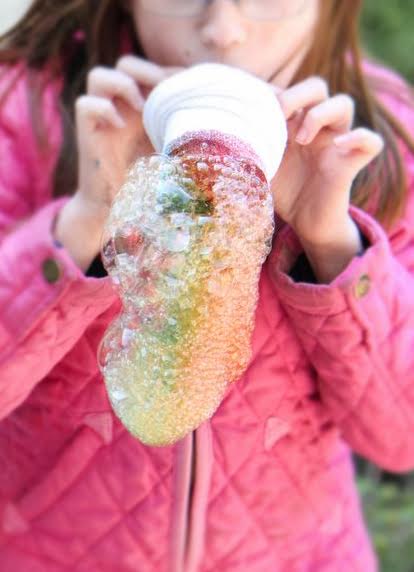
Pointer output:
x,y
184,243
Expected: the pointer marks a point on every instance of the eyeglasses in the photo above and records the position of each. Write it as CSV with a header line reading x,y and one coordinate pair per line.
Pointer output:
x,y
253,9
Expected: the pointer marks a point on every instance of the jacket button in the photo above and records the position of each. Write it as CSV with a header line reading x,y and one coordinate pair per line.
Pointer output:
x,y
362,287
50,270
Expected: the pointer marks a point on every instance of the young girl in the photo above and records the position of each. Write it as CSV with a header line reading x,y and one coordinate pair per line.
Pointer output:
x,y
267,484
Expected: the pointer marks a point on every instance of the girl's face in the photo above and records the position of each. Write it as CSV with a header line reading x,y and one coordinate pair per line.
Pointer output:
x,y
269,49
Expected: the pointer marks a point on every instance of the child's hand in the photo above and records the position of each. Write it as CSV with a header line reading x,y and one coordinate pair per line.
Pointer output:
x,y
110,136
110,131
311,189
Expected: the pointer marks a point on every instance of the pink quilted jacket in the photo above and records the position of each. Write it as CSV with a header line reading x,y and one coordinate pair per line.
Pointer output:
x,y
266,485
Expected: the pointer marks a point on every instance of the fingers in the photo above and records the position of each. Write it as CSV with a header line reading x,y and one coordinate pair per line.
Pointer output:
x,y
359,147
361,140
304,94
126,82
92,111
109,83
143,71
336,113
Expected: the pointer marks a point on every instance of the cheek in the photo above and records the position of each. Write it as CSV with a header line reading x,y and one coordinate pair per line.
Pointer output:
x,y
178,53
147,41
187,56
151,33
163,48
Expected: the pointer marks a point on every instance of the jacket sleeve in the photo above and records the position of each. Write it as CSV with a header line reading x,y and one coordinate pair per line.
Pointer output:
x,y
358,333
46,301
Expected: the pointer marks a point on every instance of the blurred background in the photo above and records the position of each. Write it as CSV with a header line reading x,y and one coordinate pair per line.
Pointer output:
x,y
387,29
10,10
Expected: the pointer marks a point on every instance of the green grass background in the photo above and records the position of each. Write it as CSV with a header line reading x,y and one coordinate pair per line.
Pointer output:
x,y
387,29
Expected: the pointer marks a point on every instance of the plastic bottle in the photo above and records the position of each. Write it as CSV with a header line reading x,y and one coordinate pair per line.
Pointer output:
x,y
185,242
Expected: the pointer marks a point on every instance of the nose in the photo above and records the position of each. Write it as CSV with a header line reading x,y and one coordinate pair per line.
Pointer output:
x,y
223,26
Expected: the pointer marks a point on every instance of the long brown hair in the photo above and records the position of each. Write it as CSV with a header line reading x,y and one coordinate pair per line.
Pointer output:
x,y
69,37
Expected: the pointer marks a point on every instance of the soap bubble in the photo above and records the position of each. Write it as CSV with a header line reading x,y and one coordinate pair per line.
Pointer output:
x,y
184,243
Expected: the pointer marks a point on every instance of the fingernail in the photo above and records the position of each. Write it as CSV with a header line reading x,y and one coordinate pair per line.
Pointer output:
x,y
340,139
302,135
138,103
342,151
120,122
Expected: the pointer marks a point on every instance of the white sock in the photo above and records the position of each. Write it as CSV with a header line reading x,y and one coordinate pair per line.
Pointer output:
x,y
223,98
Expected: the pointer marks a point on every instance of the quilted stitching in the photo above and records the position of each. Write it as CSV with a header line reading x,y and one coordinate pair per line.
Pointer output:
x,y
121,522
288,385
248,512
